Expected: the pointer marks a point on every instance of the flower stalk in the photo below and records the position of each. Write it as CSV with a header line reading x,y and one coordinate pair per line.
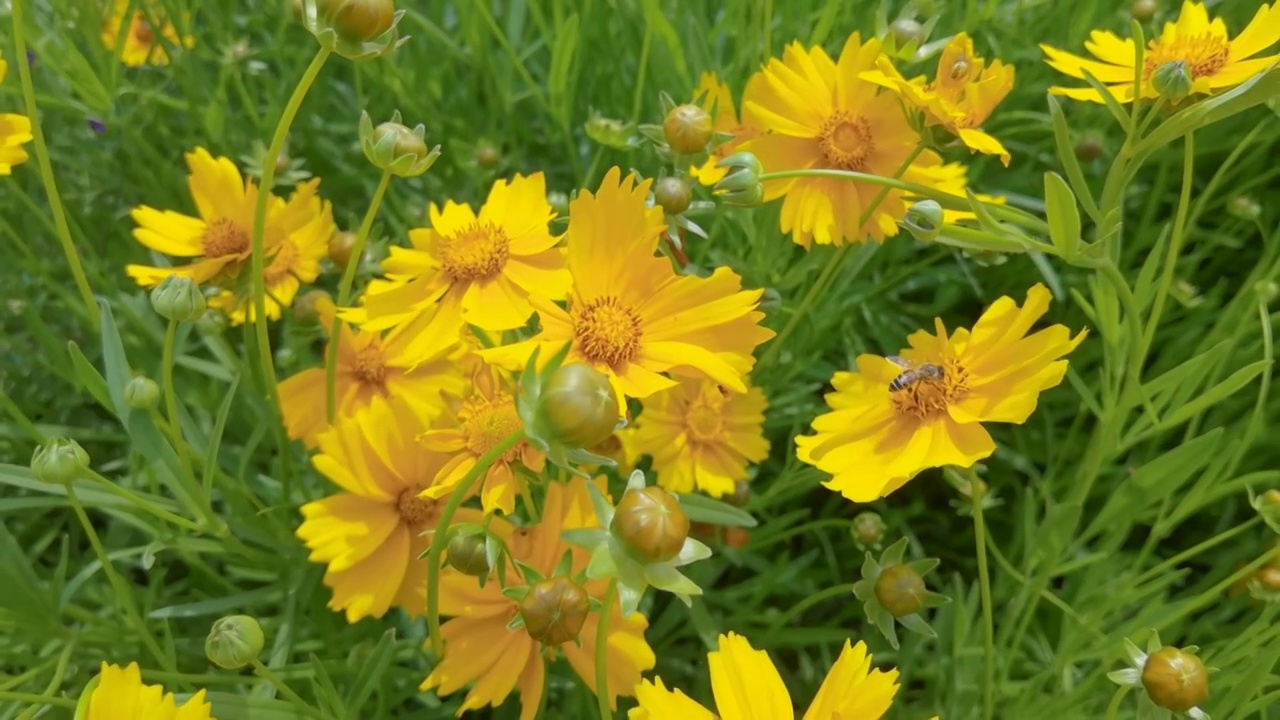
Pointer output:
x,y
602,651
977,490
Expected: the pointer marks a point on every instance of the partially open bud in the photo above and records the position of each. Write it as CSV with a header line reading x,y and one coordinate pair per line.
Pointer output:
x,y
688,129
1244,207
488,156
396,148
1175,679
868,530
307,308
1089,148
234,642
340,245
1173,80
673,195
59,461
1143,10
555,610
924,220
905,30
579,406
467,554
178,298
651,524
142,393
900,590
359,20
741,186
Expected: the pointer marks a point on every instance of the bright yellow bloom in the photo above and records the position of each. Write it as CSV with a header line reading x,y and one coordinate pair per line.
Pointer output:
x,y
414,363
220,238
480,648
486,264
746,684
876,437
371,535
715,98
15,131
141,47
629,314
961,97
118,694
701,436
1214,60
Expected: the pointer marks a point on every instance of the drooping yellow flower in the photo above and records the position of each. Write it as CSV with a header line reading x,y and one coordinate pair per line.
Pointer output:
x,y
629,314
220,238
486,265
714,97
371,534
118,694
479,647
961,97
701,436
746,684
821,114
141,46
15,131
1214,60
885,426
415,363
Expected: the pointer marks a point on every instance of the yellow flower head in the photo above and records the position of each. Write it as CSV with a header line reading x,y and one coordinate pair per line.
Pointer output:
x,y
220,238
701,436
371,534
15,131
480,648
1214,60
961,97
889,422
486,264
629,314
141,46
746,684
118,694
715,98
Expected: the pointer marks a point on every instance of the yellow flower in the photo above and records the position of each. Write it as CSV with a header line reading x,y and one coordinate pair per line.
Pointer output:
x,y
220,238
118,694
884,428
371,535
480,648
15,131
1214,60
629,314
961,97
141,46
413,363
715,98
486,264
701,436
746,684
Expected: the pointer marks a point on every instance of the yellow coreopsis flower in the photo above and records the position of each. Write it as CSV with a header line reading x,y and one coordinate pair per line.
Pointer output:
x,y
141,44
701,436
118,694
714,97
746,684
629,314
220,237
1213,59
961,97
925,407
15,131
479,647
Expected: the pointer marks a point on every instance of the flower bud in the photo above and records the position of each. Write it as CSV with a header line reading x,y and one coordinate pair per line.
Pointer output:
x,y
905,30
673,195
900,590
1268,577
688,129
178,298
467,554
1089,148
1175,679
1267,506
1143,10
579,406
736,537
741,186
59,461
924,220
396,148
1172,80
340,245
234,641
142,393
1268,290
1244,207
488,156
651,524
868,529
307,308
554,611
359,20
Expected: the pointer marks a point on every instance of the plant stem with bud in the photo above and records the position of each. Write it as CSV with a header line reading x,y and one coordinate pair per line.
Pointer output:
x,y
978,491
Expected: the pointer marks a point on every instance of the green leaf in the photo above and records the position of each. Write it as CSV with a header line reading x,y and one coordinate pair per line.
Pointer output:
x,y
1256,91
23,593
230,705
372,668
117,364
1192,372
703,509
1113,106
1215,394
656,18
562,56
1070,165
228,604
1159,478
215,438
1063,216
89,377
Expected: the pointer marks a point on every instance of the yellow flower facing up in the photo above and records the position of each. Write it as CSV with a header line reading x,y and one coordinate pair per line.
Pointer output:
x,y
1214,60
220,237
15,131
746,684
961,97
629,314
143,33
887,423
479,648
714,97
486,265
701,436
118,694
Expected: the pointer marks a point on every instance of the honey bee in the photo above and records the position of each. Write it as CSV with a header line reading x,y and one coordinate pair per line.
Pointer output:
x,y
912,374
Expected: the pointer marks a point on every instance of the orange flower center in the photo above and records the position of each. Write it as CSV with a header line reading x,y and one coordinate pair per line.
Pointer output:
x,y
223,237
487,422
1204,54
608,331
370,366
414,511
925,397
282,264
845,141
478,252
704,419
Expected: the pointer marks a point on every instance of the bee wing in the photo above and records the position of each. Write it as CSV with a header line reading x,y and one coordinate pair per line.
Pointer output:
x,y
898,361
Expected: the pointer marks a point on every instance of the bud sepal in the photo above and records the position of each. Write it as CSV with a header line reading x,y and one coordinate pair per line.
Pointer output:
x,y
742,185
891,590
549,434
396,148
325,20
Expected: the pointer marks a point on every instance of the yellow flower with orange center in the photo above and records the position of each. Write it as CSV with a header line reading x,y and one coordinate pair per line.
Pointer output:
x,y
701,436
118,693
629,314
15,131
1213,58
142,43
480,648
714,97
925,407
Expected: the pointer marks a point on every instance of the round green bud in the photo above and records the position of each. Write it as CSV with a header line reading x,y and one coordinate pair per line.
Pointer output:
x,y
1143,10
900,590
406,142
178,298
868,529
307,308
1244,207
341,243
688,129
555,610
1173,80
467,554
1175,679
673,195
924,220
234,642
359,20
142,393
651,524
59,461
578,406
488,155
905,30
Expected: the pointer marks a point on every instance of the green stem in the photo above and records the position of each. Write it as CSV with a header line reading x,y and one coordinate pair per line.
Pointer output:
x,y
602,651
439,538
283,688
1175,248
977,491
1114,708
32,697
1218,539
46,168
141,504
198,501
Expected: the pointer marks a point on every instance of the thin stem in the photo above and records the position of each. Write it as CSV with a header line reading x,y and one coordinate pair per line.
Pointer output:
x,y
283,688
1175,248
32,697
1218,539
198,502
1113,709
977,490
602,651
141,504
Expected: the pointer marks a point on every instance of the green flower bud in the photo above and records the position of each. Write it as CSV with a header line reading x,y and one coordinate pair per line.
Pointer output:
x,y
488,156
1175,679
1267,505
1173,80
906,30
142,393
924,220
396,148
651,524
673,195
1268,290
59,461
555,610
741,186
688,129
1089,148
341,244
359,20
1143,10
611,132
178,298
234,642
1244,207
579,406
307,308
900,590
868,530
467,554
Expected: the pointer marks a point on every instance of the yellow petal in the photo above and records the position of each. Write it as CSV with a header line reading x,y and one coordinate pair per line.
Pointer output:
x,y
745,682
852,689
659,703
1261,33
